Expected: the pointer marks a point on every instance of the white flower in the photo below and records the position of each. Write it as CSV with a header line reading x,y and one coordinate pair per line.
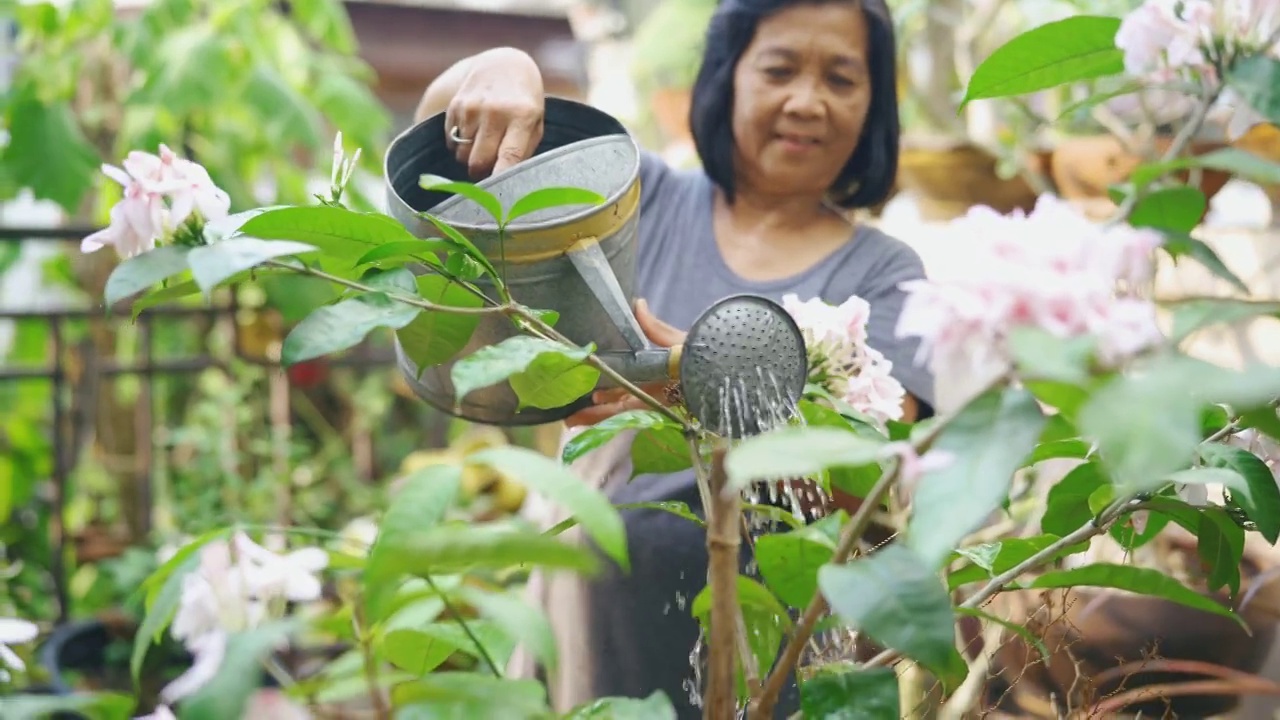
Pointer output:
x,y
208,651
137,221
840,360
1052,269
161,192
162,712
237,586
15,631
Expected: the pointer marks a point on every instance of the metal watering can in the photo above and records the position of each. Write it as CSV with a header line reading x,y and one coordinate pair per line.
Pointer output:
x,y
744,357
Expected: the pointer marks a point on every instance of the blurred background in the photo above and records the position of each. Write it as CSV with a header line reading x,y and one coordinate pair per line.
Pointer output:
x,y
120,435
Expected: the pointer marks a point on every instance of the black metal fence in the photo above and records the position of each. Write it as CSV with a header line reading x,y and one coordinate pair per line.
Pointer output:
x,y
75,385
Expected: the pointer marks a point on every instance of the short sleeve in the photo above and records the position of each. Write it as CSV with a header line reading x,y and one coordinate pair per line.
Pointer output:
x,y
882,291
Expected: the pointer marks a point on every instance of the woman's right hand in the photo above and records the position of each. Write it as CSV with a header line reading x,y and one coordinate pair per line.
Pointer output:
x,y
498,112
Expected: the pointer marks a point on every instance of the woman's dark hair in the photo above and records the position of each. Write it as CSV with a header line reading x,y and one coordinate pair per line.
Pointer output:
x,y
868,176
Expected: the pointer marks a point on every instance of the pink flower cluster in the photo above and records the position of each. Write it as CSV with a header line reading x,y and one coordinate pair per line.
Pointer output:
x,y
1164,40
841,361
161,192
1052,269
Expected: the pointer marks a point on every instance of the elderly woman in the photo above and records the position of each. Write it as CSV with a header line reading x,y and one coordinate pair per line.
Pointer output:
x,y
795,119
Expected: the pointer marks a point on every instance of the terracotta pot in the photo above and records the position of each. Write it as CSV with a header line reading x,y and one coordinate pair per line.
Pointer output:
x,y
1084,167
1088,632
1264,141
950,180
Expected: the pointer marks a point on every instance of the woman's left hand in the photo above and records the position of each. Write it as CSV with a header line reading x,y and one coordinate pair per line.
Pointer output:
x,y
612,401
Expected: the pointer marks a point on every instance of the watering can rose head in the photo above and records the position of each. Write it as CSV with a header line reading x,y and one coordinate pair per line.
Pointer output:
x,y
840,361
164,196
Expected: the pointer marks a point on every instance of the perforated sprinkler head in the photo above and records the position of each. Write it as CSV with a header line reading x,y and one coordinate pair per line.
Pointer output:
x,y
743,366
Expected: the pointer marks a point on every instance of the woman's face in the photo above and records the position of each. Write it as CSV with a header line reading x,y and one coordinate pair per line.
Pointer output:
x,y
801,94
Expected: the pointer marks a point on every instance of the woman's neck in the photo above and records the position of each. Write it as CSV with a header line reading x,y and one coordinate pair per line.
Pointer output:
x,y
774,212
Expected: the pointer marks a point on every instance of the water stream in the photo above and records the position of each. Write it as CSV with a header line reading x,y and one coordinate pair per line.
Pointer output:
x,y
764,400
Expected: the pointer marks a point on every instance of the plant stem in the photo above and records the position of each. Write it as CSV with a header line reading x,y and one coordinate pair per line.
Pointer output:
x,y
380,709
462,623
762,705
723,541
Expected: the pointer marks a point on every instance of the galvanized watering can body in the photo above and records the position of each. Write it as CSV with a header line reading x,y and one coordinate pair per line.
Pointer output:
x,y
578,261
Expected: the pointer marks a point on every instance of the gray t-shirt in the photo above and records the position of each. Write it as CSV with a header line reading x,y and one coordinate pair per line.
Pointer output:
x,y
641,632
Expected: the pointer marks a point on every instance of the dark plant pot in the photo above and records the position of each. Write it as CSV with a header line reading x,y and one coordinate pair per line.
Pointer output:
x,y
1086,639
93,655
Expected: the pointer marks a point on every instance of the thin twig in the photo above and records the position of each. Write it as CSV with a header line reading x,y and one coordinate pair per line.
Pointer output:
x,y
513,310
1115,703
462,623
722,553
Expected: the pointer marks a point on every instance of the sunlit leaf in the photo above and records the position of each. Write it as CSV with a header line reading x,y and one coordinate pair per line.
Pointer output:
x,y
558,484
86,705
1177,208
1077,48
603,432
493,364
335,231
550,197
474,193
655,707
435,337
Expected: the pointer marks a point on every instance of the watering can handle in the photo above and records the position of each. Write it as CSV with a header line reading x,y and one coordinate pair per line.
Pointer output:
x,y
590,262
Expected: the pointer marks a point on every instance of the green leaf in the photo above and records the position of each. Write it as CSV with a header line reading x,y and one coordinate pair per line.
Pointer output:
x,y
991,559
797,452
606,430
212,264
474,193
1177,208
1241,163
239,674
1022,632
420,250
86,705
1253,485
523,623
464,242
851,694
435,337
1042,356
325,21
159,613
284,113
415,651
655,707
1147,425
1180,245
1192,315
493,364
335,231
344,325
789,561
1067,505
419,506
988,441
550,197
1077,48
455,548
766,621
457,695
1265,420
47,152
1255,78
1220,545
895,598
558,484
554,380
1143,581
193,65
142,271
660,450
